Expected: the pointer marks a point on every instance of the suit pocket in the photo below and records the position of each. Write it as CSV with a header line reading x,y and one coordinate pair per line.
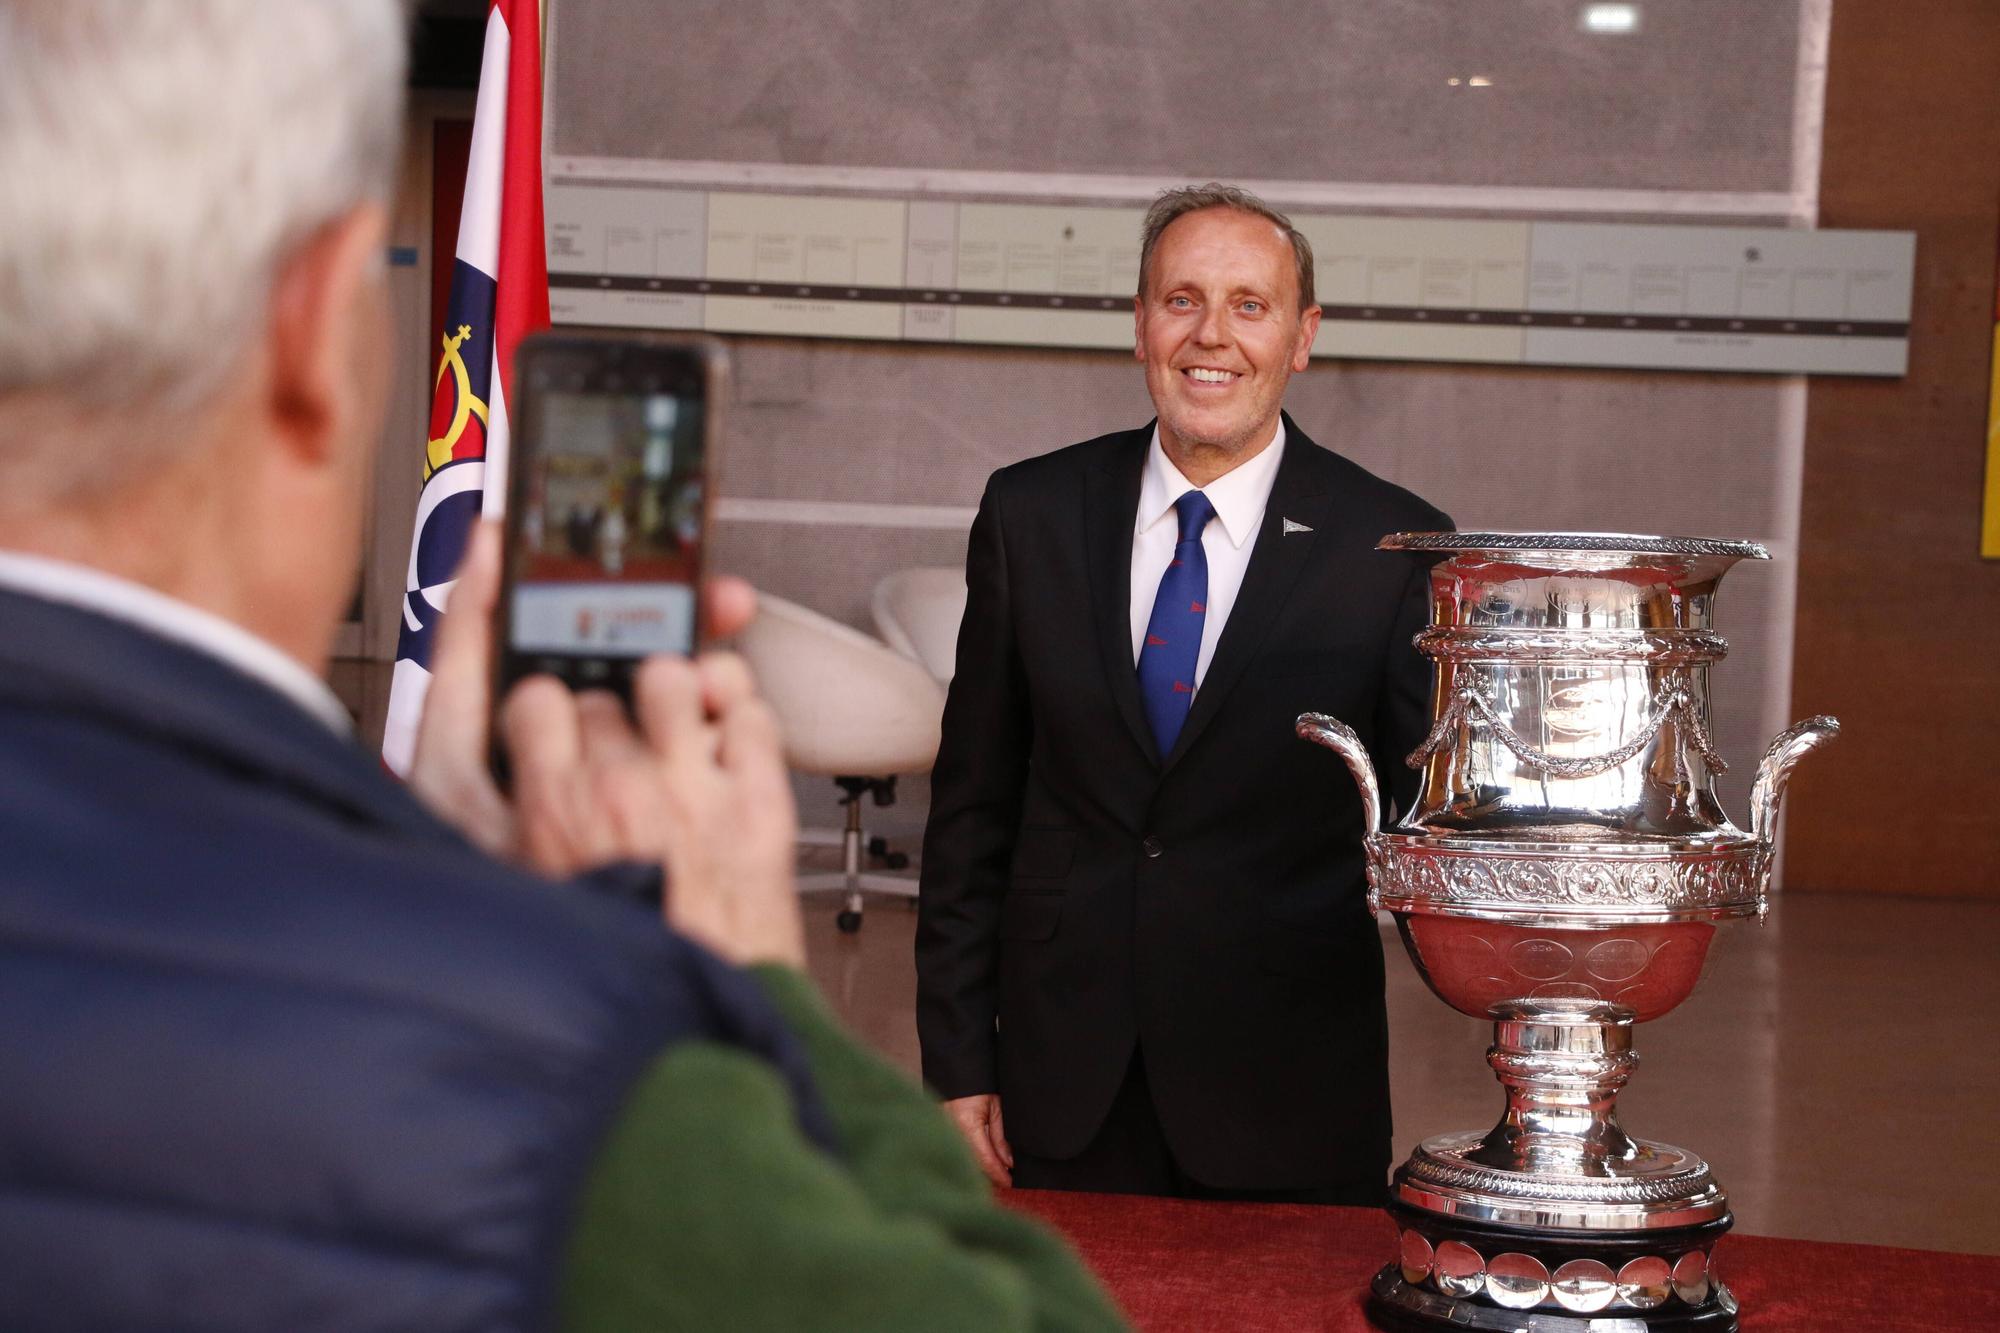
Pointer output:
x,y
1043,853
1030,916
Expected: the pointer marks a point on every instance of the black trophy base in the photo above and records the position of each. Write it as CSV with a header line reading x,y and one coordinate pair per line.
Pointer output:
x,y
1461,1275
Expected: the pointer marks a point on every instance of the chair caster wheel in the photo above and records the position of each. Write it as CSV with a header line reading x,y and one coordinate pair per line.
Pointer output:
x,y
849,922
897,860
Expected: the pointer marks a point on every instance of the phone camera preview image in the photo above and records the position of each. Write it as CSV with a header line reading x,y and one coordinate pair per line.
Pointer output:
x,y
607,543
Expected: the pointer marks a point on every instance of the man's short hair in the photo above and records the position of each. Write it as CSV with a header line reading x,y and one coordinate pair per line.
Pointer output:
x,y
158,161
1174,204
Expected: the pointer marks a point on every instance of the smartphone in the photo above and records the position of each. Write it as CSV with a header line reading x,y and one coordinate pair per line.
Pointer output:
x,y
610,481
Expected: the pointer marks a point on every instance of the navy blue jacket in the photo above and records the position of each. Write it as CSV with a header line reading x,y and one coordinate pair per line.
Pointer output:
x,y
278,1050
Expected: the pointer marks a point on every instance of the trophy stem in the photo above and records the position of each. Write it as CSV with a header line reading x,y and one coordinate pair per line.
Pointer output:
x,y
1562,1062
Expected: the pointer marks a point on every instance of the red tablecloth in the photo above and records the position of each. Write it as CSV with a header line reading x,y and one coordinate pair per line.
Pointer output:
x,y
1178,1265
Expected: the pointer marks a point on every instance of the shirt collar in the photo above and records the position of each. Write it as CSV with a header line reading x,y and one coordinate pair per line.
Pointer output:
x,y
121,599
1239,495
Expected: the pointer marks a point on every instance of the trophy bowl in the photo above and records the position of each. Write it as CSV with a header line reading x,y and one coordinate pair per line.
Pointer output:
x,y
1473,964
1561,873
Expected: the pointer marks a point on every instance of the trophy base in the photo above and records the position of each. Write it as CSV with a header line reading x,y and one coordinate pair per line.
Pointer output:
x,y
1458,1274
1653,1186
1395,1305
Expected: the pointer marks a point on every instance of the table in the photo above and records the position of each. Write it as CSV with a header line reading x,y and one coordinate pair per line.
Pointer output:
x,y
1175,1264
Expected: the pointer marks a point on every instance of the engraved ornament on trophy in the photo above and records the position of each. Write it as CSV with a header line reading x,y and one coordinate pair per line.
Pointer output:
x,y
1560,873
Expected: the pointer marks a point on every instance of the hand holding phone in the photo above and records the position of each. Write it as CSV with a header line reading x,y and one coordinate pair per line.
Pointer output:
x,y
463,721
697,783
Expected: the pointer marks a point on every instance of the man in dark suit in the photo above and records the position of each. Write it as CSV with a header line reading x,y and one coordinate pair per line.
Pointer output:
x,y
1144,959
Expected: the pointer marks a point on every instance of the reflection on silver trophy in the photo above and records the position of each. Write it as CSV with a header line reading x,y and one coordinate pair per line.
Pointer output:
x,y
1561,874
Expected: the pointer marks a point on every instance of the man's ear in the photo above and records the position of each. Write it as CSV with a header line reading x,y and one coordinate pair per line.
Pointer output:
x,y
1139,329
1308,331
326,308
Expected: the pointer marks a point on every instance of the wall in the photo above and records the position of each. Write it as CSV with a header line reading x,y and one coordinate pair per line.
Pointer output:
x,y
1898,617
1700,116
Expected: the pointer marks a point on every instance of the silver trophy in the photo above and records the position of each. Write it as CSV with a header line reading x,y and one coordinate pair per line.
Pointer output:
x,y
1561,874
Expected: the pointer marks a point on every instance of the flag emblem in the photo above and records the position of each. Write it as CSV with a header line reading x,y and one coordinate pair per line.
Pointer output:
x,y
458,399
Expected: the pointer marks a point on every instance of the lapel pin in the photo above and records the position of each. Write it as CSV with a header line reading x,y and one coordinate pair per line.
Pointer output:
x,y
1292,525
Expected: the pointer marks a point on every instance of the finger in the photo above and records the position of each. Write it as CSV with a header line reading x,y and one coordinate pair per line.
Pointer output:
x,y
623,779
725,680
666,696
729,604
453,729
752,752
990,1166
604,729
545,749
539,722
997,1132
973,1131
621,819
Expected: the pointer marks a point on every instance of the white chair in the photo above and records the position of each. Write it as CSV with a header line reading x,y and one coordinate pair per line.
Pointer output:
x,y
852,709
918,611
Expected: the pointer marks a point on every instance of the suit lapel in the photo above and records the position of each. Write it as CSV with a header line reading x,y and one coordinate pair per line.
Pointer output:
x,y
1277,560
1111,506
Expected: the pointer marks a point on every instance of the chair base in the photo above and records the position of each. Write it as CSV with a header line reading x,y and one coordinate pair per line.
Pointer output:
x,y
851,879
849,917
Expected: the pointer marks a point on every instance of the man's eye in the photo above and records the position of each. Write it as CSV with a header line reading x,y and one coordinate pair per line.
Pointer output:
x,y
1179,302
1253,307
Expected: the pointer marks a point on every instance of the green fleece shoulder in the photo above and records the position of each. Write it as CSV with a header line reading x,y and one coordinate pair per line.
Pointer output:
x,y
708,1208
891,1129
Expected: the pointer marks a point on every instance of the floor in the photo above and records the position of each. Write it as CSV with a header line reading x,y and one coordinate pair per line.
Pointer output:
x,y
1837,1066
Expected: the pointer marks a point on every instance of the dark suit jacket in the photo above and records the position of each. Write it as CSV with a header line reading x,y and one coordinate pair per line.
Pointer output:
x,y
1082,893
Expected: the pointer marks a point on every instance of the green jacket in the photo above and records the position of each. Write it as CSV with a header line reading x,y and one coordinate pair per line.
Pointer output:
x,y
709,1210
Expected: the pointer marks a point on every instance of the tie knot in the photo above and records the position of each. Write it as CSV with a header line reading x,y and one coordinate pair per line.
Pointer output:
x,y
1195,511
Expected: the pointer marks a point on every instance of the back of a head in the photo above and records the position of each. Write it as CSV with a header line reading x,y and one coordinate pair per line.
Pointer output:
x,y
158,159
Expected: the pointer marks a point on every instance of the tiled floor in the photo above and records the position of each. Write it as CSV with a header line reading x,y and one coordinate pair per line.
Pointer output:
x,y
1839,1066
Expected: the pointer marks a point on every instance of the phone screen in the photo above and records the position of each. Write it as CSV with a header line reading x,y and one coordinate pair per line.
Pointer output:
x,y
607,539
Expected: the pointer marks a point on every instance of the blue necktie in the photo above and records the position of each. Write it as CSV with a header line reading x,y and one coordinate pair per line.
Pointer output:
x,y
1173,635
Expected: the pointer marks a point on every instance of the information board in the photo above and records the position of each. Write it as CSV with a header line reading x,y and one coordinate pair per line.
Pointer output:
x,y
626,252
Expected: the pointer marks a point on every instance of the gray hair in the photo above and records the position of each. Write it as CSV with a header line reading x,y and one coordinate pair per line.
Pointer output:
x,y
1173,204
158,161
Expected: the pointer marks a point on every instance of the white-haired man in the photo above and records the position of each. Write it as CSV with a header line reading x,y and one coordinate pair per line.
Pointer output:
x,y
283,1050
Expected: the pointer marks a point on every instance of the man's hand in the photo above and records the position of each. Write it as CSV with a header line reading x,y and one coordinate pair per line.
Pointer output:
x,y
698,785
978,1118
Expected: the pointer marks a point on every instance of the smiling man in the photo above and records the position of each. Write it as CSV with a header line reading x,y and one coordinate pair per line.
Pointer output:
x,y
1144,959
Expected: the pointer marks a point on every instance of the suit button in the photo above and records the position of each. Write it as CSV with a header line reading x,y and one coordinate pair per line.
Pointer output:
x,y
1152,846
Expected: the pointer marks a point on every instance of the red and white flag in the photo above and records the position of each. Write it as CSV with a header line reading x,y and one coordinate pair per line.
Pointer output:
x,y
499,295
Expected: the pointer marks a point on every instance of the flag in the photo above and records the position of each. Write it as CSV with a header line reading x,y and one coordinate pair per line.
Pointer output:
x,y
499,295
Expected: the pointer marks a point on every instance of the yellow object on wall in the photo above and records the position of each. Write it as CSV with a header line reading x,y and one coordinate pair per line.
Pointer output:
x,y
1989,533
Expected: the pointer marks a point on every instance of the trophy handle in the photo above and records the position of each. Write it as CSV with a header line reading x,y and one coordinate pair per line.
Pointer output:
x,y
1338,737
1793,744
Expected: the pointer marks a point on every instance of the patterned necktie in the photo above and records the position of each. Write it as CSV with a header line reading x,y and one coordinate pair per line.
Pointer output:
x,y
1173,635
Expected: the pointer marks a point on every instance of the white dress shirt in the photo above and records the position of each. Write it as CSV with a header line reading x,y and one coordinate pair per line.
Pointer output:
x,y
1239,497
121,599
